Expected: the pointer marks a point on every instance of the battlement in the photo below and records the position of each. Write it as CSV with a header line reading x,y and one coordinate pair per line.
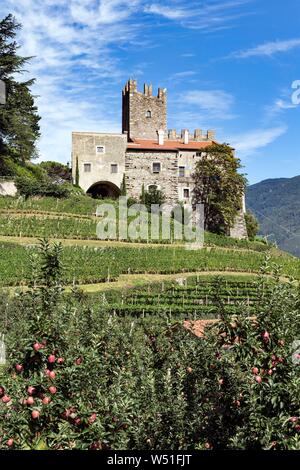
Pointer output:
x,y
196,136
132,87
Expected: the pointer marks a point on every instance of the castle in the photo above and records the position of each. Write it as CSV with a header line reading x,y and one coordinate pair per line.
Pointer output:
x,y
145,152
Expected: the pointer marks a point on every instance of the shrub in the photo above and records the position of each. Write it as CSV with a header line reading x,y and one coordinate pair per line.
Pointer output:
x,y
252,225
34,187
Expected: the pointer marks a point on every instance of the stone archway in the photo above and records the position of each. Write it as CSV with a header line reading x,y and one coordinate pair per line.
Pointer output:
x,y
104,189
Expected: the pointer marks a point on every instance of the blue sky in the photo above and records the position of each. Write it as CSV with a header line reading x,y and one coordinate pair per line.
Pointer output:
x,y
228,65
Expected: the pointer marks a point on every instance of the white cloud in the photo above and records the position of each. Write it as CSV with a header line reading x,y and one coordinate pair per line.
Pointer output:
x,y
268,49
249,143
182,75
168,12
213,16
214,104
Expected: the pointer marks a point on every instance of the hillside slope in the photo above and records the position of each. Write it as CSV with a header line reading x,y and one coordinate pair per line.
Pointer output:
x,y
276,204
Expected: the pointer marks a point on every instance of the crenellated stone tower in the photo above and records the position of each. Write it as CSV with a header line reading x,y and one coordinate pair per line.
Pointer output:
x,y
143,113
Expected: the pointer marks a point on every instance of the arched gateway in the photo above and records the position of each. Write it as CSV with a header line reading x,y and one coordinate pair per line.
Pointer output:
x,y
104,189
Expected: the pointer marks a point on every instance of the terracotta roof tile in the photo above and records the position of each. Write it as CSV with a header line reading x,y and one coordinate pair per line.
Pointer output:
x,y
172,145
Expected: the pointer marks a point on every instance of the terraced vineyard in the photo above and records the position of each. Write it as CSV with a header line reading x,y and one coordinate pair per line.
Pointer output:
x,y
85,265
193,299
74,218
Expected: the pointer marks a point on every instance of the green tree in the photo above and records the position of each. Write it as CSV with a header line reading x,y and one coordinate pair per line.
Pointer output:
x,y
152,196
19,120
77,173
123,189
56,171
252,225
219,187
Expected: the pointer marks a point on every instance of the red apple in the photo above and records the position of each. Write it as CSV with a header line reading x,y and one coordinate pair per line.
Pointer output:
x,y
46,400
10,442
258,379
221,381
52,390
189,370
37,346
255,370
2,391
60,360
77,421
19,367
297,427
78,361
31,390
270,371
51,358
30,401
35,414
293,419
52,375
6,399
266,336
92,418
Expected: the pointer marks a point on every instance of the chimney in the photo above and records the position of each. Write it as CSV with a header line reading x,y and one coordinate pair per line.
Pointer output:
x,y
172,134
146,89
198,134
161,137
185,136
211,134
150,90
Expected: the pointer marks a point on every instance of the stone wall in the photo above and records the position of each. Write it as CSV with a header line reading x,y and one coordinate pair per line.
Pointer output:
x,y
8,188
138,170
143,114
239,229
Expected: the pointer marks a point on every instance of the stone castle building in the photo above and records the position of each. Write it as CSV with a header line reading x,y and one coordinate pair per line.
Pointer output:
x,y
146,152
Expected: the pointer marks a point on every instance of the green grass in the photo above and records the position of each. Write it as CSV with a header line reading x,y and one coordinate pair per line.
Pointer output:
x,y
93,265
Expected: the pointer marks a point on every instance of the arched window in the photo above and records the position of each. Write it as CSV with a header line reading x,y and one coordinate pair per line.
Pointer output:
x,y
148,114
152,187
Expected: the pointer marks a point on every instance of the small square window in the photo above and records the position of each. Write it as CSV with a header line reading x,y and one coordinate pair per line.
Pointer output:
x,y
181,171
156,167
114,168
87,167
100,149
186,193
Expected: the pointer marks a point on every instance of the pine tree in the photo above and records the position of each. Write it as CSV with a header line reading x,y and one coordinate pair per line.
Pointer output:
x,y
19,120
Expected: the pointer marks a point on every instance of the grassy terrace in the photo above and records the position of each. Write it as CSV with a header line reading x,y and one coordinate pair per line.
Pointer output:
x,y
74,219
89,265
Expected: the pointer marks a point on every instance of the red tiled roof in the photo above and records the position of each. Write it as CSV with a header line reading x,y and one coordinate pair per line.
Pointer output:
x,y
172,145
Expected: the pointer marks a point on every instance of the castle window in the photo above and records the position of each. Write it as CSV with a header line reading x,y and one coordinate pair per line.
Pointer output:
x,y
87,167
148,114
199,154
152,187
114,168
156,167
100,149
186,193
181,171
